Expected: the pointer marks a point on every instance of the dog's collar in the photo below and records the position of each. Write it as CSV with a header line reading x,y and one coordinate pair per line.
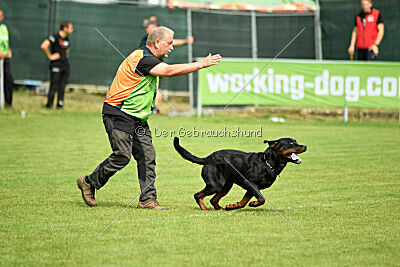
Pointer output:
x,y
269,165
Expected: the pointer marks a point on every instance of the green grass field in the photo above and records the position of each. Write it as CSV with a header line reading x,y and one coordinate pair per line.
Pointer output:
x,y
344,197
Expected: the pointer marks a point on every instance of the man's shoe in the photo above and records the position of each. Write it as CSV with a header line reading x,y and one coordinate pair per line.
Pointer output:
x,y
87,192
151,203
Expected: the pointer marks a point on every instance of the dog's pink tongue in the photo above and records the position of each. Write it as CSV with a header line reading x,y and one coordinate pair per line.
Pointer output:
x,y
295,157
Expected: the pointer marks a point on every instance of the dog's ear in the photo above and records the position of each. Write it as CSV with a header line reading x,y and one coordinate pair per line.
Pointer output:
x,y
271,143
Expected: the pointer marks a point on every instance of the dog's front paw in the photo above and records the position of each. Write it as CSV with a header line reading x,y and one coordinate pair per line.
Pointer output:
x,y
256,203
233,206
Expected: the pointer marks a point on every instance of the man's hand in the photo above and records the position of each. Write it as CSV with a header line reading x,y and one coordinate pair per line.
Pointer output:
x,y
54,56
375,49
189,40
2,55
350,50
45,47
210,60
165,70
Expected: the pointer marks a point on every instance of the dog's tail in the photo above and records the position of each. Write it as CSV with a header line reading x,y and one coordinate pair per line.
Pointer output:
x,y
186,154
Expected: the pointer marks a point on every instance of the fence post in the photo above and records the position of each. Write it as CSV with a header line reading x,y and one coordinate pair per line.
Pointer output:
x,y
190,57
51,20
254,52
199,107
317,32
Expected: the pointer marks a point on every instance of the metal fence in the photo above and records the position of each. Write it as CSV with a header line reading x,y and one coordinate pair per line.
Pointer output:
x,y
93,61
252,35
233,34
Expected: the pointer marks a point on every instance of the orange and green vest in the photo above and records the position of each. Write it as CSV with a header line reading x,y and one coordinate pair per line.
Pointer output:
x,y
131,92
4,41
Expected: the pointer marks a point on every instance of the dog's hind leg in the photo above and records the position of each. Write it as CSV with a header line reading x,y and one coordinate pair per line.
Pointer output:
x,y
241,204
202,194
220,194
209,172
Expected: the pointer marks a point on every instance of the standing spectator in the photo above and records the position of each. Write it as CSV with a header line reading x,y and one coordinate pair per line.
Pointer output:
x,y
151,23
148,24
6,55
126,110
368,31
59,66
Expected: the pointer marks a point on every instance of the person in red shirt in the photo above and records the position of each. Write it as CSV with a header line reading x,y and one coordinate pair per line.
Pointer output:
x,y
367,33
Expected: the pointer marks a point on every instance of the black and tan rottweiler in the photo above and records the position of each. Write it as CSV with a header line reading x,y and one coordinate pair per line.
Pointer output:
x,y
251,171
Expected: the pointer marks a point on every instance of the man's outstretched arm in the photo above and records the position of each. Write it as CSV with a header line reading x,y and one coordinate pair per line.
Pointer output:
x,y
180,42
165,70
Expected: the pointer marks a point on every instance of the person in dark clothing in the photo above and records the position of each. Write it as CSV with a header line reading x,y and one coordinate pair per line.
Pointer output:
x,y
56,48
152,23
368,32
148,25
6,55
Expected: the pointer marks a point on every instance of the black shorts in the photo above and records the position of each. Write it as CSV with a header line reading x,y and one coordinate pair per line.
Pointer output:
x,y
365,54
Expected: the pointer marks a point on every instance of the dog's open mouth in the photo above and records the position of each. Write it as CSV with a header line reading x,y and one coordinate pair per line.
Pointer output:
x,y
295,158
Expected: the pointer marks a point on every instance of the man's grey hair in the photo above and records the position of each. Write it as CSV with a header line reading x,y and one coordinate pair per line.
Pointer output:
x,y
159,33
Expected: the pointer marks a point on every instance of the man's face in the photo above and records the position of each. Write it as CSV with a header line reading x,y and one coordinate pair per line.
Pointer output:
x,y
366,6
165,46
1,16
70,29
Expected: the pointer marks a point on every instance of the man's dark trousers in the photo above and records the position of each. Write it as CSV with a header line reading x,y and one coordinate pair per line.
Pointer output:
x,y
58,81
139,144
8,82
